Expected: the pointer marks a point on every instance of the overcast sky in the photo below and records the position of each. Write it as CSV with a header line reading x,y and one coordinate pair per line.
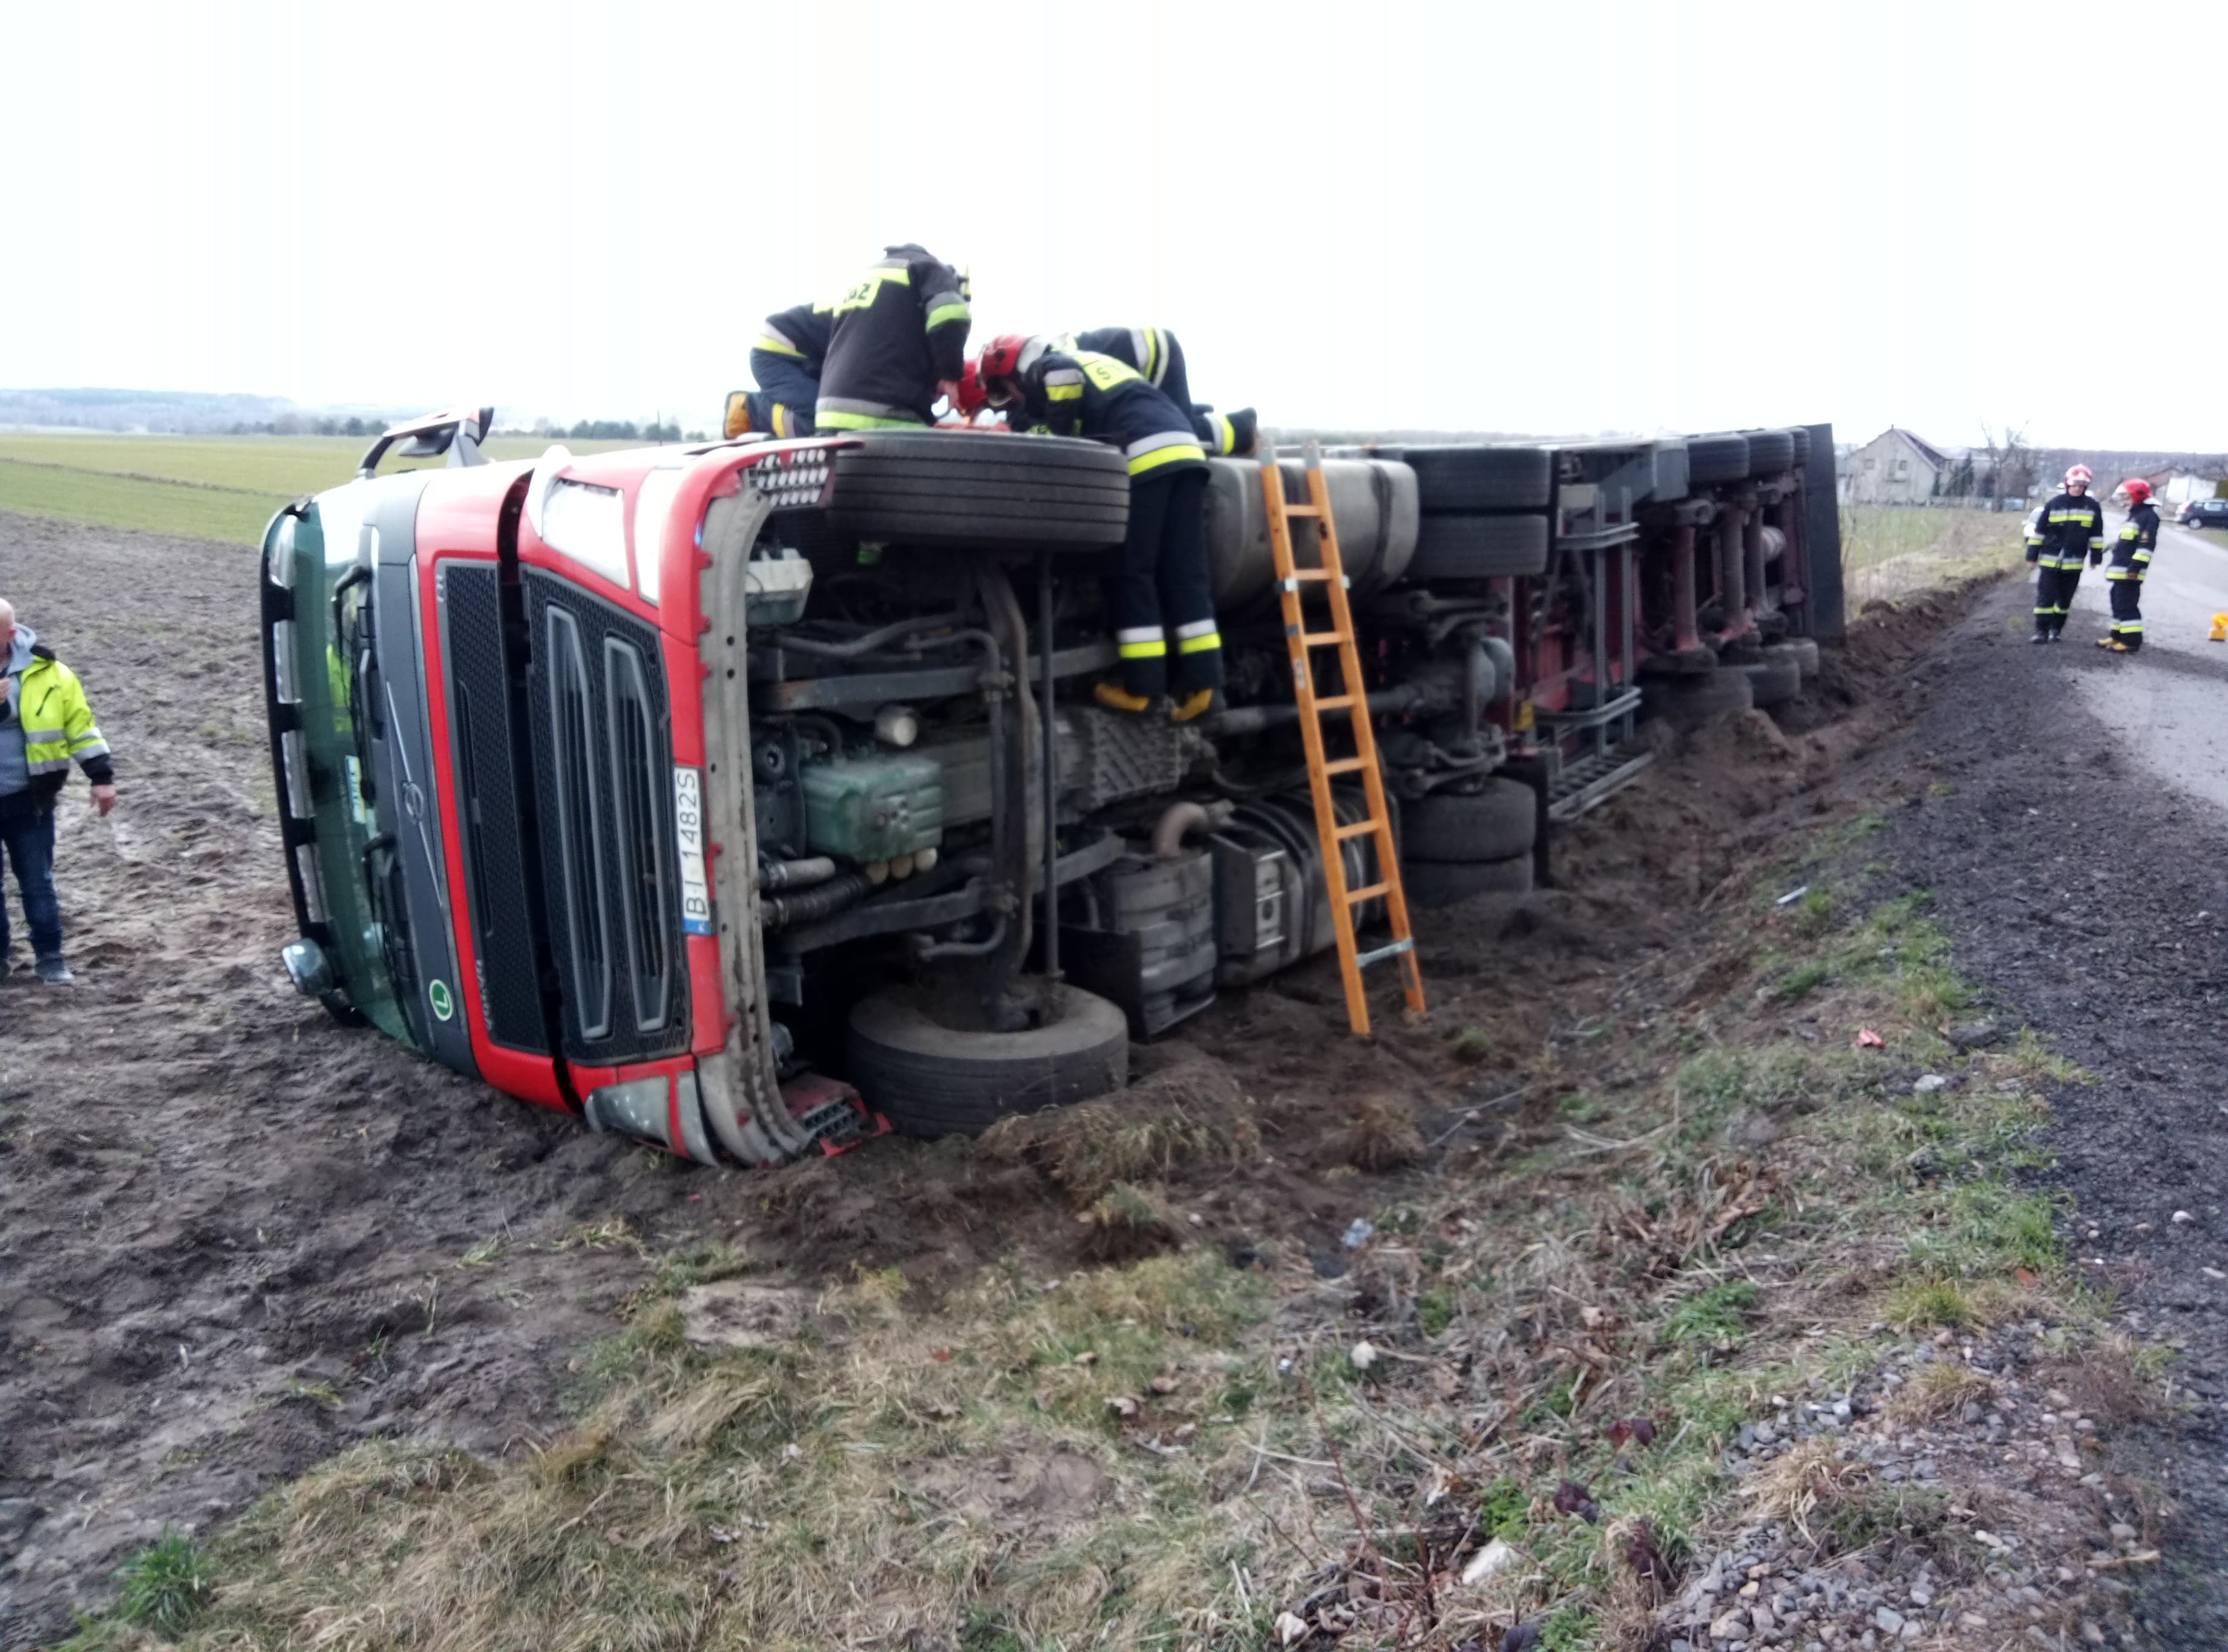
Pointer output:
x,y
1538,217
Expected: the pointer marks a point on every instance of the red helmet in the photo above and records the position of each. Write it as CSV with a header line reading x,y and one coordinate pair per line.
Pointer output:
x,y
2079,473
1002,356
968,395
2139,491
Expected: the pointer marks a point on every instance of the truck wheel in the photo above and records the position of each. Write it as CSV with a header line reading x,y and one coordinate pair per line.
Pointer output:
x,y
1435,884
1770,452
1801,435
1689,700
931,1078
1774,679
1481,478
1490,825
1466,546
1805,650
975,487
1716,458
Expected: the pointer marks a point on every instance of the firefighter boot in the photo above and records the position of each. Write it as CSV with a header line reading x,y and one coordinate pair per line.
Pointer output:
x,y
1192,706
1115,697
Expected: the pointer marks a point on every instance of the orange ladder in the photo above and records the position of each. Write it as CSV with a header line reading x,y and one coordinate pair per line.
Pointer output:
x,y
1291,580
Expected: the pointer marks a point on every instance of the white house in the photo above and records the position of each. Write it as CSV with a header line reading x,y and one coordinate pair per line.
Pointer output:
x,y
2177,486
1894,468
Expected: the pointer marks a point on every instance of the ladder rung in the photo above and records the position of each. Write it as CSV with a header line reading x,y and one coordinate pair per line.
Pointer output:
x,y
1309,573
1335,702
1404,945
1357,828
1291,509
1345,765
1355,897
1323,639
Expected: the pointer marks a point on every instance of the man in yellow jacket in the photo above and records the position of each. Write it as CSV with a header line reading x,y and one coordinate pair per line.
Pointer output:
x,y
45,726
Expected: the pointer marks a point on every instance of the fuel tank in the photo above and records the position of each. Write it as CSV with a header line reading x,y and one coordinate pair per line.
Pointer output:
x,y
1372,500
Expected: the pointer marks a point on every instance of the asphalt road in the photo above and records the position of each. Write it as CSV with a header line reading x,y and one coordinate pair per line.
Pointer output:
x,y
2166,701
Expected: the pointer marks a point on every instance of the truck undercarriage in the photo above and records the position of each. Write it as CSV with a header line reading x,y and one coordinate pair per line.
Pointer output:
x,y
744,797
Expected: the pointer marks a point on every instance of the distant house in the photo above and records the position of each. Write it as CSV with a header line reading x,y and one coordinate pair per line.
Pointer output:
x,y
1894,468
2175,486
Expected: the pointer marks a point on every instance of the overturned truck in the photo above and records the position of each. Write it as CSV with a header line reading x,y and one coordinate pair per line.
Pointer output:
x,y
750,798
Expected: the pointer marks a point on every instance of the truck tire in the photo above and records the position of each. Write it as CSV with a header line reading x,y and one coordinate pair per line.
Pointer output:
x,y
1716,458
1483,478
1802,435
1689,700
1449,827
975,488
1432,884
1774,679
931,1079
1805,650
1770,452
1468,546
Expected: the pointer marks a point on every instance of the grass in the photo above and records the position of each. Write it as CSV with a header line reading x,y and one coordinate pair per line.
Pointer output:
x,y
1889,550
222,487
166,1588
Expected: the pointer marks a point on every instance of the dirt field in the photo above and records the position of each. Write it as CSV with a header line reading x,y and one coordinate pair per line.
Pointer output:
x,y
235,1240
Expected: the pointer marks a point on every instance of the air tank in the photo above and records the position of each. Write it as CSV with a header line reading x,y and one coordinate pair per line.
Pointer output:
x,y
1372,500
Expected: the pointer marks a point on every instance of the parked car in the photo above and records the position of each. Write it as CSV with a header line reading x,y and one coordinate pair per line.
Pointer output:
x,y
2203,513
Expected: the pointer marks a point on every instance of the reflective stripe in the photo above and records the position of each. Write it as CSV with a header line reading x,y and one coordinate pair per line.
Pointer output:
x,y
48,764
942,313
1225,435
1162,439
869,287
2130,531
1138,634
45,736
1155,649
2119,573
840,421
1063,392
775,342
95,746
1154,364
1200,644
1196,628
1189,451
2095,541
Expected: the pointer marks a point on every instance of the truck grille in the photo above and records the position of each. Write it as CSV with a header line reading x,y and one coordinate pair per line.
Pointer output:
x,y
603,774
487,805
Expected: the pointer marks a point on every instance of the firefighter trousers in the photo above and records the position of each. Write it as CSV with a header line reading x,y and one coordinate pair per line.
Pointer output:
x,y
786,395
2053,597
1160,596
2128,611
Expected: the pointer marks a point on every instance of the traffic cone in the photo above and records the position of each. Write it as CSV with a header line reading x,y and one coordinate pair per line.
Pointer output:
x,y
2220,628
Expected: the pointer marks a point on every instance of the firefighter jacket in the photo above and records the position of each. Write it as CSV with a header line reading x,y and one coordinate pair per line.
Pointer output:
x,y
1089,394
1157,354
894,337
800,333
48,703
2131,553
2067,530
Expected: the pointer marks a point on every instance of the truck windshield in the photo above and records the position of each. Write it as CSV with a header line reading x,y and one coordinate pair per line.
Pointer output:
x,y
336,680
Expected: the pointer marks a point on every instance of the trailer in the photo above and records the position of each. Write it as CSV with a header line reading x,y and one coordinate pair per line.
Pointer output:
x,y
749,798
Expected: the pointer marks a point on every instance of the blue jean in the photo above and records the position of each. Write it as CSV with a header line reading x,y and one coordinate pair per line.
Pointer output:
x,y
26,842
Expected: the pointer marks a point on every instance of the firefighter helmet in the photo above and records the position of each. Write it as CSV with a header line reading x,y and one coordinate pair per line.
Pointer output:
x,y
1002,356
2079,473
967,395
2139,491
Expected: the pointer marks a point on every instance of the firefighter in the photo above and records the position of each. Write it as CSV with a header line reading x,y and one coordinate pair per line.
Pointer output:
x,y
895,338
1159,598
2131,560
1156,353
787,358
2069,526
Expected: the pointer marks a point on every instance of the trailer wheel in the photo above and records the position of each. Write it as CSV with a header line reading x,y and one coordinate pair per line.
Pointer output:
x,y
1468,546
934,1078
1689,700
1805,650
1774,679
1770,452
1493,824
1481,478
1716,458
1432,884
975,487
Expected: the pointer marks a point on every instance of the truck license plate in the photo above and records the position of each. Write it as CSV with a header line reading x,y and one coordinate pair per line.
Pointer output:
x,y
688,838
